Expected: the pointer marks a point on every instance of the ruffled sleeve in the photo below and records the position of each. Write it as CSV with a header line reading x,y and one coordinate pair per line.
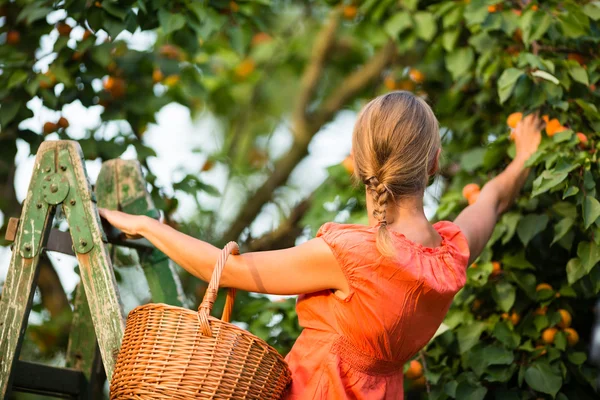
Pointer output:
x,y
456,242
331,233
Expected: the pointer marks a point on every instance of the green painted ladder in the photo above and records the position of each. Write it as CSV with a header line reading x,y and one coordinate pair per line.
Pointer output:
x,y
60,179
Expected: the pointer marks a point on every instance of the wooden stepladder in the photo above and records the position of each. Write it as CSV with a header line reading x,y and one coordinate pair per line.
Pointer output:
x,y
121,186
59,179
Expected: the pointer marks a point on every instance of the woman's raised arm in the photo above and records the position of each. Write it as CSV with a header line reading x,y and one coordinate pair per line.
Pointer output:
x,y
306,268
477,221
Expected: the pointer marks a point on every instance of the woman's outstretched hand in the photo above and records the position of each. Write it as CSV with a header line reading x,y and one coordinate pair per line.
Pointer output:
x,y
129,224
528,135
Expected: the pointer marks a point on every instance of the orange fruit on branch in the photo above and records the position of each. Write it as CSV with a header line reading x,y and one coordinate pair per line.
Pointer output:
x,y
115,86
548,335
157,75
416,75
553,127
245,68
496,268
50,127
169,51
389,82
576,57
515,318
513,119
13,37
350,11
583,140
171,80
543,286
261,37
415,370
64,29
469,189
565,319
348,165
572,336
63,122
541,311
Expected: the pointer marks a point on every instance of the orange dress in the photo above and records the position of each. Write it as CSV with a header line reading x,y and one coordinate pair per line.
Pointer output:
x,y
355,348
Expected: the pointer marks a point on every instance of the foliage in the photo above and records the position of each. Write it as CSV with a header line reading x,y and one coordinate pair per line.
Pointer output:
x,y
257,66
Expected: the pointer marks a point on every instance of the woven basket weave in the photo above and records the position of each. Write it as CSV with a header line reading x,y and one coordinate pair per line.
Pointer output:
x,y
174,353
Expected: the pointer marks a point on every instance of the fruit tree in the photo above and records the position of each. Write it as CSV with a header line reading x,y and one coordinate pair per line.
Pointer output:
x,y
520,328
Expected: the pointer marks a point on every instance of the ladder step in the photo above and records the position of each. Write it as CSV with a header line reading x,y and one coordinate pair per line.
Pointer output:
x,y
46,380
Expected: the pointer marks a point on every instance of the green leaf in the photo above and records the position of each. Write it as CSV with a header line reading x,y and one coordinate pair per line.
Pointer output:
x,y
579,74
530,226
510,220
113,9
449,39
546,181
592,10
534,25
170,22
8,111
467,391
591,211
17,78
545,75
504,294
472,159
425,25
397,24
468,335
577,357
542,378
571,191
507,81
589,254
565,209
561,229
506,336
460,61
575,270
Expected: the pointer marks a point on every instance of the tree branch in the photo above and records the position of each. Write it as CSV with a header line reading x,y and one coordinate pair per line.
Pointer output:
x,y
285,235
355,82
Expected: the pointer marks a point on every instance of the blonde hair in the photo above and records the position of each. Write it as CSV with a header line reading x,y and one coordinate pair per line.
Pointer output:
x,y
395,142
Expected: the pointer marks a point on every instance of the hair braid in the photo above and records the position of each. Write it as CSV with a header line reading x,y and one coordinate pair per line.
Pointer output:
x,y
381,196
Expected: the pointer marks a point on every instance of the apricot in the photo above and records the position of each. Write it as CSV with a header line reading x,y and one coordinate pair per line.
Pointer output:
x,y
63,123
543,286
63,29
245,68
469,189
496,268
472,199
416,75
548,335
583,140
350,12
348,165
415,370
50,127
565,319
389,82
572,336
157,75
553,127
13,37
513,119
260,37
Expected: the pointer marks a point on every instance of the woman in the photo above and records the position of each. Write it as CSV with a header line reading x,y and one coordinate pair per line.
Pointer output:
x,y
370,296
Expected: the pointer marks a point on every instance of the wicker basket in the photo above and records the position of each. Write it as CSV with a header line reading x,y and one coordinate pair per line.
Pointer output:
x,y
174,353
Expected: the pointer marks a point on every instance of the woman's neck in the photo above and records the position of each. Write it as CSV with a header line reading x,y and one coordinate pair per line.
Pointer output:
x,y
401,212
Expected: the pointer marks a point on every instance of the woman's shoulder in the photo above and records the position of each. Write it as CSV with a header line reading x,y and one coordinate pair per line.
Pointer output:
x,y
335,227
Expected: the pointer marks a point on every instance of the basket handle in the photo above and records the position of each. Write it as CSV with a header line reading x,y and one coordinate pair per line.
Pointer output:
x,y
213,287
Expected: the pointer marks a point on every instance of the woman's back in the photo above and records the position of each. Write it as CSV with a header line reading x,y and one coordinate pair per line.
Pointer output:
x,y
358,345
